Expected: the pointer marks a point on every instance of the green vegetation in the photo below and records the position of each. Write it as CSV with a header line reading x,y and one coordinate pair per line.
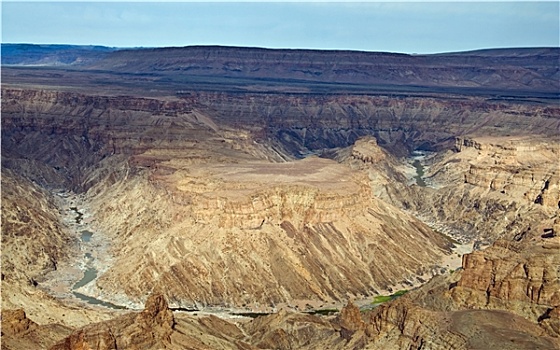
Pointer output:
x,y
384,298
381,299
324,312
399,293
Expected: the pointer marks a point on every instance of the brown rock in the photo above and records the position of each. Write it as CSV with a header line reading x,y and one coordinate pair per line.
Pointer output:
x,y
21,333
149,329
350,321
15,321
510,273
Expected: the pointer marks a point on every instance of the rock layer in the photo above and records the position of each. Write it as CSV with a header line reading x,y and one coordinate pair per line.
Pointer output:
x,y
309,229
199,192
149,329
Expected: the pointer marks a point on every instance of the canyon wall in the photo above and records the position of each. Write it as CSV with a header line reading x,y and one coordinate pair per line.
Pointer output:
x,y
197,183
299,124
518,69
304,123
171,151
309,229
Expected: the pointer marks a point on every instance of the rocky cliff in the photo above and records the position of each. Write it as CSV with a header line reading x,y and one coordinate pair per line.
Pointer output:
x,y
197,187
30,211
148,329
310,229
525,69
482,189
508,184
291,123
517,276
523,167
314,123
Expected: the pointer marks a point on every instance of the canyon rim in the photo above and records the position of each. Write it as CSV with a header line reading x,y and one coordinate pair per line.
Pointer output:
x,y
213,197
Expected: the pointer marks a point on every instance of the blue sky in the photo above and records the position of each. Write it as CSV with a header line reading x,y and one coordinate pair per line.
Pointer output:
x,y
408,27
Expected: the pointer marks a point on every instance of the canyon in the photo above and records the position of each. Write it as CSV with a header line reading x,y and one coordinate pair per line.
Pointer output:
x,y
291,186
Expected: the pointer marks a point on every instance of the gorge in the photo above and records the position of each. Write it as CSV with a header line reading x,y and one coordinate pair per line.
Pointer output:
x,y
279,182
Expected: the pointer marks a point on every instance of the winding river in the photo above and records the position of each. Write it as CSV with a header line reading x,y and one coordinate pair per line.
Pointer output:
x,y
90,272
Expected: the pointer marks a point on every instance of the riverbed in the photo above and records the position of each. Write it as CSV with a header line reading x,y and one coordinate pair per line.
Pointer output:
x,y
417,160
72,278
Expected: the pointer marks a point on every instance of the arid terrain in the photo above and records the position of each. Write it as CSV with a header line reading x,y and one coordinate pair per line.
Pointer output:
x,y
242,198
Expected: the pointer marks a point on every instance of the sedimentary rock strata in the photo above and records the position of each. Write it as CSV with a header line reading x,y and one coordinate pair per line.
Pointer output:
x,y
309,229
282,196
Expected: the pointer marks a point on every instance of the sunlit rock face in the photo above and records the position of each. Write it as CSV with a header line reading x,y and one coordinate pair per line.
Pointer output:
x,y
524,167
501,185
309,229
259,194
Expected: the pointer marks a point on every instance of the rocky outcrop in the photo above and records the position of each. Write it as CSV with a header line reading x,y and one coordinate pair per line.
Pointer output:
x,y
518,276
446,313
523,167
149,329
19,332
350,322
16,321
287,330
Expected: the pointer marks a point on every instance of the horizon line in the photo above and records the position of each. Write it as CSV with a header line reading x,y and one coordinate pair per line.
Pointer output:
x,y
123,48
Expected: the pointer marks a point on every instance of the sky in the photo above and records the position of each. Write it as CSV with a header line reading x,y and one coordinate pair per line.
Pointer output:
x,y
406,27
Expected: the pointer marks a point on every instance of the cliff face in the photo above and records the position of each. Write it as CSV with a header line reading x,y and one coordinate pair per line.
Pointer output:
x,y
522,167
309,229
303,123
509,184
516,70
197,192
102,125
522,278
77,131
29,211
504,297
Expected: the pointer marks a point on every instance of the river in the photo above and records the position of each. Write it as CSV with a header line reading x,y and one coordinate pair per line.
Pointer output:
x,y
417,159
90,273
91,256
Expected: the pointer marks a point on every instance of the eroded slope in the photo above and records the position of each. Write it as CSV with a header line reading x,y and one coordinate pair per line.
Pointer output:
x,y
202,199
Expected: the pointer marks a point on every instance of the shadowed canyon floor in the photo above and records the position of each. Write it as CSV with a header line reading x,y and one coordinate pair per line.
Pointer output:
x,y
137,211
